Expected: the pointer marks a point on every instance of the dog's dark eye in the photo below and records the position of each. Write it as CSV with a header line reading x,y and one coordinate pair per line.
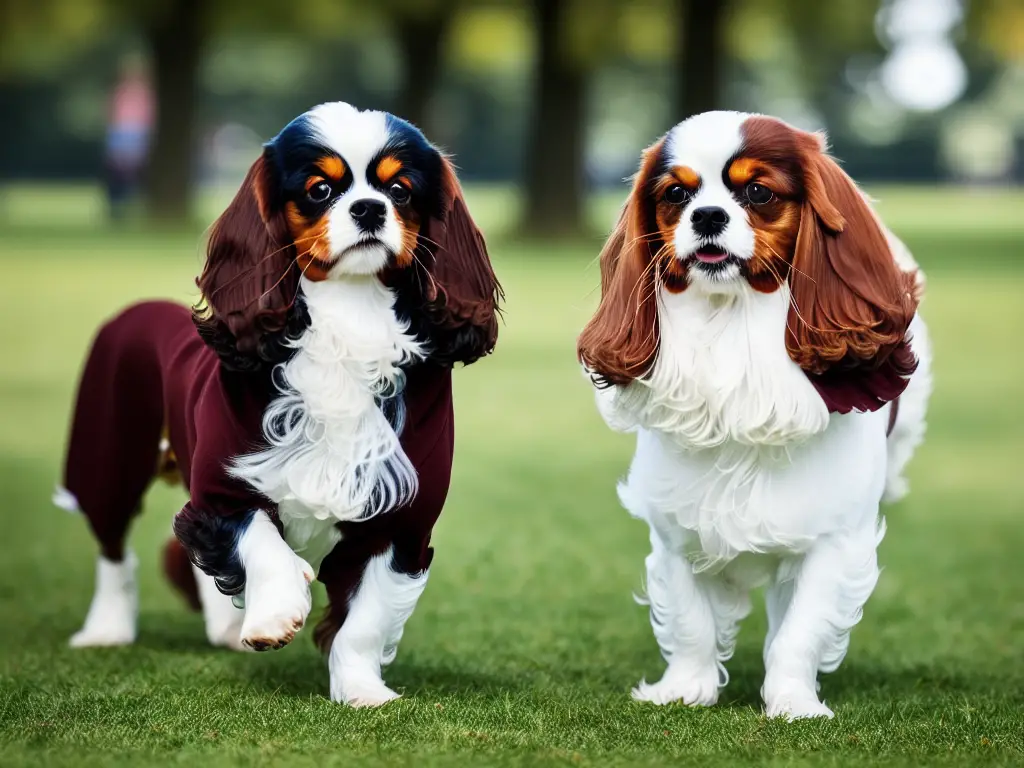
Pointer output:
x,y
758,194
319,192
676,194
399,193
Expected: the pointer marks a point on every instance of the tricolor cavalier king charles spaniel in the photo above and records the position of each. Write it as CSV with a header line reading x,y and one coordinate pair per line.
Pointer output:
x,y
311,415
758,331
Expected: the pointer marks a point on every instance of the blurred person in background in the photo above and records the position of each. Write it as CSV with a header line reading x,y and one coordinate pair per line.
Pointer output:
x,y
128,131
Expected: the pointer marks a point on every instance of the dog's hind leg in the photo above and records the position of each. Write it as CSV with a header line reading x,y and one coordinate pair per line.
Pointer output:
x,y
111,459
909,428
222,618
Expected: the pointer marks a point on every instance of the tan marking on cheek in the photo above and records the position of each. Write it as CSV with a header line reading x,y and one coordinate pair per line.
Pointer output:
x,y
296,221
388,167
672,271
742,170
332,165
410,227
775,234
667,217
312,245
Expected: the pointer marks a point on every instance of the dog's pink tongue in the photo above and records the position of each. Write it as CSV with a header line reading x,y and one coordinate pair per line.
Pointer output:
x,y
711,258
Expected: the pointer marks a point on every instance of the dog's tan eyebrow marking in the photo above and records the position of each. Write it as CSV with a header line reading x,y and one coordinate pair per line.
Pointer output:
x,y
686,176
743,169
332,166
388,166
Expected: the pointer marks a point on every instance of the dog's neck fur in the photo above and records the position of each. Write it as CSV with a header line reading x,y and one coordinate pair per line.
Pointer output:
x,y
722,375
333,455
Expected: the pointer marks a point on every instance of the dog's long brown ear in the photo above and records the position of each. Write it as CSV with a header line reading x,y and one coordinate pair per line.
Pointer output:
x,y
851,304
250,278
620,342
461,293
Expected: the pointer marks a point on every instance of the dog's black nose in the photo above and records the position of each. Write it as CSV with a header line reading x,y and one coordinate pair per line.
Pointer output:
x,y
709,220
368,214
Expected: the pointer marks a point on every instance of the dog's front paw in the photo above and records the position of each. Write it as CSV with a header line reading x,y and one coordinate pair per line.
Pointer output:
x,y
277,602
793,701
694,686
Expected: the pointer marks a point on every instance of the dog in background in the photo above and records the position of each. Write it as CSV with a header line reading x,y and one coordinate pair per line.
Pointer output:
x,y
758,331
311,415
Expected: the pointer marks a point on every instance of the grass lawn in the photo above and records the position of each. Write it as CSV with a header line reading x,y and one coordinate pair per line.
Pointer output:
x,y
526,643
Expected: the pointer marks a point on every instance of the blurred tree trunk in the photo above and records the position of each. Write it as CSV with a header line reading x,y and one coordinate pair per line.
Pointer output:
x,y
175,38
699,52
421,37
556,134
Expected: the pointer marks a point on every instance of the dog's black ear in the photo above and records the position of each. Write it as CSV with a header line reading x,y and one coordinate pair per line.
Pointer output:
x,y
461,293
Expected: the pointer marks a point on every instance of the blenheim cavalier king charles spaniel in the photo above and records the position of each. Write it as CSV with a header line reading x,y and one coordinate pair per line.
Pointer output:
x,y
311,415
758,331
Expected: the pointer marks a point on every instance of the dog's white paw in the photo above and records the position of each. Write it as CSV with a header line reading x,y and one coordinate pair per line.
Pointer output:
x,y
277,602
112,615
108,636
363,690
693,686
794,701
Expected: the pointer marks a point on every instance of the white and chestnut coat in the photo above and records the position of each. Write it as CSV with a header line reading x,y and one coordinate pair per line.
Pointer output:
x,y
756,329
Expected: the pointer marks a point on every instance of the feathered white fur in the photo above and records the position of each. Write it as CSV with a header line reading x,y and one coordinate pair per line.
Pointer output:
x,y
332,454
746,480
368,640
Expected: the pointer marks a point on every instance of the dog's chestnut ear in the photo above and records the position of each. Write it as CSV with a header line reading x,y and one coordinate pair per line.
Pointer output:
x,y
851,303
620,342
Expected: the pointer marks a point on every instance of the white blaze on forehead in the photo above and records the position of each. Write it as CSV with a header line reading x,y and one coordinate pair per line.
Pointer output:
x,y
355,135
706,142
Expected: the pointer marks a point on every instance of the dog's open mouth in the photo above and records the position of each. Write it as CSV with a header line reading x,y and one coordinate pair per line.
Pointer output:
x,y
711,254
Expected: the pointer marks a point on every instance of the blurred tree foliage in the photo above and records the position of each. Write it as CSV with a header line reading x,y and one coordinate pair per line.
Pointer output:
x,y
39,35
557,94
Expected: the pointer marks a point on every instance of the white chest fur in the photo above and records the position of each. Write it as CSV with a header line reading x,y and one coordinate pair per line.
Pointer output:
x,y
332,454
722,375
735,447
